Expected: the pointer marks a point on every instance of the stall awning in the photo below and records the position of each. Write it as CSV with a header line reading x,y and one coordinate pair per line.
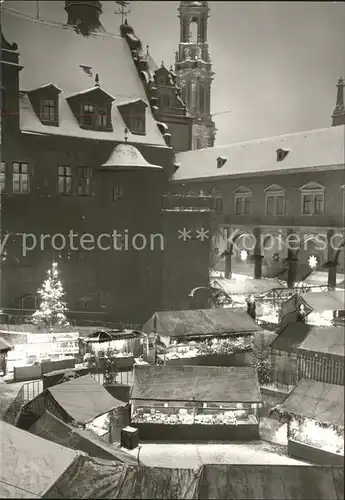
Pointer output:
x,y
317,401
196,383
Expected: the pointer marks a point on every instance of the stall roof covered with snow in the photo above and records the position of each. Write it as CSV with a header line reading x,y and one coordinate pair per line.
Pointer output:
x,y
93,479
30,465
247,287
80,400
55,430
200,322
323,301
300,337
317,401
196,383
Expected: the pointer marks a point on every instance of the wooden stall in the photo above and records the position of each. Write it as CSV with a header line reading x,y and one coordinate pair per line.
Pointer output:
x,y
307,351
195,403
315,415
197,333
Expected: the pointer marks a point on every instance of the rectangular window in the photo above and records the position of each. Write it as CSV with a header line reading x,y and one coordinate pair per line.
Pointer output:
x,y
312,203
87,115
275,204
84,181
101,118
48,110
2,177
219,205
117,192
65,180
20,178
138,125
243,205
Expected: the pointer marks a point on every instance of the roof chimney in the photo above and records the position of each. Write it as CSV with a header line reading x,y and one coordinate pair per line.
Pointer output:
x,y
339,110
84,15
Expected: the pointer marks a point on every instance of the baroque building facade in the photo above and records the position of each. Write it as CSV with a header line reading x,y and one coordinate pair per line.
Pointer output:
x,y
83,156
279,203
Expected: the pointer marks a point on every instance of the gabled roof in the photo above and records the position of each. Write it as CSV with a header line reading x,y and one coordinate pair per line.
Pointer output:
x,y
84,399
107,55
29,464
298,336
90,91
201,322
196,383
47,86
321,148
132,101
316,400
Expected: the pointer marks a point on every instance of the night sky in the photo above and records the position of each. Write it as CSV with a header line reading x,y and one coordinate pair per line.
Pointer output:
x,y
276,63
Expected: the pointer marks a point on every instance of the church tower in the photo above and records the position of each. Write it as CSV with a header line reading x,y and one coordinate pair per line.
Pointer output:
x,y
338,116
193,70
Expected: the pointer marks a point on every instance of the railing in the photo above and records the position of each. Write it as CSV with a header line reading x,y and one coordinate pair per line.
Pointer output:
x,y
16,316
123,378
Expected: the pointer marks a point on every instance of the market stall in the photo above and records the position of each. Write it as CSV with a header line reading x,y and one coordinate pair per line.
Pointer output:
x,y
315,415
321,308
195,403
200,332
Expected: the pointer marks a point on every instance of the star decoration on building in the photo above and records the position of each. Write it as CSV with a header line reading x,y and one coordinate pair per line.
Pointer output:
x,y
276,257
202,234
244,255
312,261
184,234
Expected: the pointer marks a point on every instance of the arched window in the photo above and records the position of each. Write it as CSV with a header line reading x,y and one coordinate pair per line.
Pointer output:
x,y
193,30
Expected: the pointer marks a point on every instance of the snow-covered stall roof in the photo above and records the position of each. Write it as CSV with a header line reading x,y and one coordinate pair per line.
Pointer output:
x,y
253,482
320,278
29,464
310,150
103,54
55,430
324,301
196,383
318,339
84,399
200,322
247,287
4,345
316,400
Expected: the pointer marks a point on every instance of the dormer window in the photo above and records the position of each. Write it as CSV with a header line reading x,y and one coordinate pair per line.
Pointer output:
x,y
92,108
134,115
281,154
221,160
45,102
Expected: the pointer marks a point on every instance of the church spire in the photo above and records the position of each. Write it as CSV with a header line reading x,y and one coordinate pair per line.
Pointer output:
x,y
339,110
193,70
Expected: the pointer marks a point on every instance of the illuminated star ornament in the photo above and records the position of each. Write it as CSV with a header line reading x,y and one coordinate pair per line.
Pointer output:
x,y
276,257
244,255
312,261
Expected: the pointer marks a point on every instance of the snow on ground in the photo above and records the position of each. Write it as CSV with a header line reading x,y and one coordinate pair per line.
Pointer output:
x,y
193,455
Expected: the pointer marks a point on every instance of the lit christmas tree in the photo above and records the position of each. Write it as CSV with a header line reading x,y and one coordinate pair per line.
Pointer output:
x,y
52,308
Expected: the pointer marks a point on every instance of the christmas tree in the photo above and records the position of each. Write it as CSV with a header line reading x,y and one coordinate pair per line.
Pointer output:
x,y
52,308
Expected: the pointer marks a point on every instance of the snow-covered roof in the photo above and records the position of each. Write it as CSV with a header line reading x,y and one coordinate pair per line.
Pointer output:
x,y
127,156
107,55
321,148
